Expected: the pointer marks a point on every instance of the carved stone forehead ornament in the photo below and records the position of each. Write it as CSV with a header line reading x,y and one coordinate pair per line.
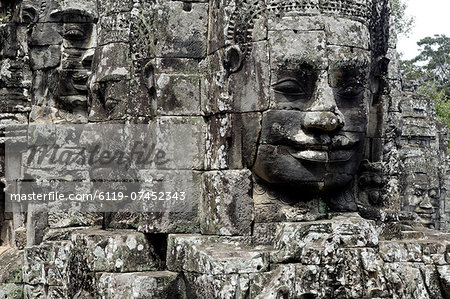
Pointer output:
x,y
242,21
359,9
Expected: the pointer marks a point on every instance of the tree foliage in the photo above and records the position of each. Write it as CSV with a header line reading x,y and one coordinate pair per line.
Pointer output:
x,y
400,20
434,59
431,69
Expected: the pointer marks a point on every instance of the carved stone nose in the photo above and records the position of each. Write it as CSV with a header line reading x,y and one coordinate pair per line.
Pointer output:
x,y
425,204
323,114
323,120
87,58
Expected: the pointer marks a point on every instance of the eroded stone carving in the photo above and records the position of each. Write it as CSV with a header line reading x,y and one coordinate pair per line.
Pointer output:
x,y
321,90
281,116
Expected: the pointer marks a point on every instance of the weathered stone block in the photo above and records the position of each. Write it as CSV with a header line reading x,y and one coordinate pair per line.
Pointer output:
x,y
405,280
177,66
61,234
278,283
20,237
47,263
34,292
45,57
177,215
114,28
248,88
231,140
293,240
215,255
11,267
291,23
444,278
111,62
11,290
56,292
109,7
158,284
349,33
217,286
9,47
344,54
227,207
113,251
171,132
172,29
311,44
273,206
178,94
45,34
67,214
399,251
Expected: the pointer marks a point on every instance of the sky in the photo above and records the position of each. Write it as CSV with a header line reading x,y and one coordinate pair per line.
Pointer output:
x,y
431,17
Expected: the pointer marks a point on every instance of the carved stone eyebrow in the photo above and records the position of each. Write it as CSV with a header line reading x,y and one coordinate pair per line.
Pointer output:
x,y
299,64
342,73
350,65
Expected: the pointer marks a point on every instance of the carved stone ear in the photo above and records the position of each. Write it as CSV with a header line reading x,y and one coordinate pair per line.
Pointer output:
x,y
233,59
375,84
380,69
29,14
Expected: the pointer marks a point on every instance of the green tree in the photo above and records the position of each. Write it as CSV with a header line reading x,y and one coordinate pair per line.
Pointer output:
x,y
434,61
431,69
400,20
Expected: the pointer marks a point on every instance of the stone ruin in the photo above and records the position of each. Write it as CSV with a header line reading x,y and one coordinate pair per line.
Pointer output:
x,y
310,169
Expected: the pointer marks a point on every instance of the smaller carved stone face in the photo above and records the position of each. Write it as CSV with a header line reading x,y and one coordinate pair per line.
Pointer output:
x,y
422,197
313,135
77,55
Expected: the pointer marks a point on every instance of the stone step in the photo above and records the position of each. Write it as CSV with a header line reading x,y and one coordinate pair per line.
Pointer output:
x,y
115,251
156,284
59,263
215,255
412,235
11,290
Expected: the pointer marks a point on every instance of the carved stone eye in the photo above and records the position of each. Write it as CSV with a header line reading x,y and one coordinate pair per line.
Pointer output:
x,y
433,193
418,192
289,87
350,91
74,33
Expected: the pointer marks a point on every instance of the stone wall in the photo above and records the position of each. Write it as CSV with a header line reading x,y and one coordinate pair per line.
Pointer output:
x,y
308,171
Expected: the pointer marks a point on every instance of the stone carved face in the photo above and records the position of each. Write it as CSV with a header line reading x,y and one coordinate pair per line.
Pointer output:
x,y
76,60
313,134
422,196
62,41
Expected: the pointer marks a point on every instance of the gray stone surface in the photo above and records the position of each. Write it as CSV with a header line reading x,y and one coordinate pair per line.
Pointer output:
x,y
307,172
161,284
227,208
115,251
214,255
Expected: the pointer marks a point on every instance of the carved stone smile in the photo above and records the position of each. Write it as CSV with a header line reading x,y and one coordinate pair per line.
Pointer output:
x,y
322,156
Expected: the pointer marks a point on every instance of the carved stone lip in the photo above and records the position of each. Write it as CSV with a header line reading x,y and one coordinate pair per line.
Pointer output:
x,y
337,143
74,101
321,156
79,81
425,214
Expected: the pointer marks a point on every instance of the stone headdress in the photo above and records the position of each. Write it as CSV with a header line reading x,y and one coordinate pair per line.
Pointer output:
x,y
373,13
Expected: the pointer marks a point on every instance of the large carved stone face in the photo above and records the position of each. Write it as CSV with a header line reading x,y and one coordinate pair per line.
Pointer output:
x,y
313,134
